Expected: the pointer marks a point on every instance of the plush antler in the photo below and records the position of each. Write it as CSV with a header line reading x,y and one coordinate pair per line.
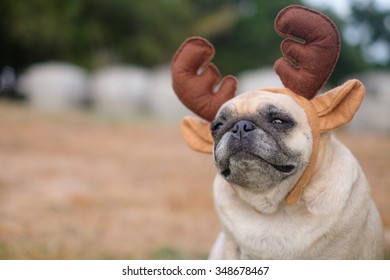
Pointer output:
x,y
195,79
310,51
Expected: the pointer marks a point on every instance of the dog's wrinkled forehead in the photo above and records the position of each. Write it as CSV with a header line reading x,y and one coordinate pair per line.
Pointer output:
x,y
251,102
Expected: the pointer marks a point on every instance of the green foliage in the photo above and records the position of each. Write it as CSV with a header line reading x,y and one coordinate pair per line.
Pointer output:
x,y
167,253
92,33
252,41
350,60
170,253
373,27
96,32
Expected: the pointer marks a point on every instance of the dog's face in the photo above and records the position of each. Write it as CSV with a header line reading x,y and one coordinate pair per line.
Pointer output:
x,y
260,140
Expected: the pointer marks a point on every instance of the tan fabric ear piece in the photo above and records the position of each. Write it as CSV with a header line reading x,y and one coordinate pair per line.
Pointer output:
x,y
338,106
197,134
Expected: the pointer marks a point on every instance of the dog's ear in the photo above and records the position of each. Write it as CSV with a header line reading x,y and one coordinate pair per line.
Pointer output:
x,y
197,134
338,106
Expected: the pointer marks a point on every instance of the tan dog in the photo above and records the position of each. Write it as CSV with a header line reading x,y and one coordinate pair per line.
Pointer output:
x,y
286,187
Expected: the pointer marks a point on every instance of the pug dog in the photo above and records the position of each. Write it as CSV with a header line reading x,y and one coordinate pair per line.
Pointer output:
x,y
261,147
286,188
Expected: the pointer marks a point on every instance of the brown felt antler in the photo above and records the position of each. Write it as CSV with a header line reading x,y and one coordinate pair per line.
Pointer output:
x,y
195,78
311,49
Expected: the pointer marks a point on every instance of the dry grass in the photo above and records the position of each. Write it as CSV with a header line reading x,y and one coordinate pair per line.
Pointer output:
x,y
74,186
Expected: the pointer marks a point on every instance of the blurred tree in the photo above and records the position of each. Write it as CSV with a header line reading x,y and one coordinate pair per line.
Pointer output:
x,y
38,29
92,33
252,41
350,60
369,29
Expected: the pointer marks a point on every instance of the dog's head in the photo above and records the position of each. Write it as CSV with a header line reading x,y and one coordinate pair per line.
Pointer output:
x,y
265,137
261,139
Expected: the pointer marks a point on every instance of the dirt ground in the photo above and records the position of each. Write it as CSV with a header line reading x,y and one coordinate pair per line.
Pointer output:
x,y
79,186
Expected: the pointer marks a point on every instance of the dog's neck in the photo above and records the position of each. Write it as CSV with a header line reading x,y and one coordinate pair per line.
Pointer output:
x,y
270,201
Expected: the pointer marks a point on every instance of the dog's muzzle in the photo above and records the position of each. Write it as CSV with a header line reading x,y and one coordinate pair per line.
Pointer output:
x,y
242,133
242,129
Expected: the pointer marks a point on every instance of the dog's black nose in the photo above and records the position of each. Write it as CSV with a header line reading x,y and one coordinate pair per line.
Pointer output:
x,y
242,128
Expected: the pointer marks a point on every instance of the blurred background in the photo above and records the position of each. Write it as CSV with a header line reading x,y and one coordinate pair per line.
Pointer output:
x,y
92,164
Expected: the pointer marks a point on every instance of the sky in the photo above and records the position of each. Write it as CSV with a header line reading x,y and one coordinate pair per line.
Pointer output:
x,y
341,7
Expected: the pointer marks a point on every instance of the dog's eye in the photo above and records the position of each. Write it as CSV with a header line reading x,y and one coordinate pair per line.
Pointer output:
x,y
278,118
216,126
278,121
282,122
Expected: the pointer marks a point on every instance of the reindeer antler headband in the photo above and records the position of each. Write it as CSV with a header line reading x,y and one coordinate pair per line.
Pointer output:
x,y
305,68
310,52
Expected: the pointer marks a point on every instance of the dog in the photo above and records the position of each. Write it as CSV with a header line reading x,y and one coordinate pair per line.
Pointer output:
x,y
258,163
286,188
